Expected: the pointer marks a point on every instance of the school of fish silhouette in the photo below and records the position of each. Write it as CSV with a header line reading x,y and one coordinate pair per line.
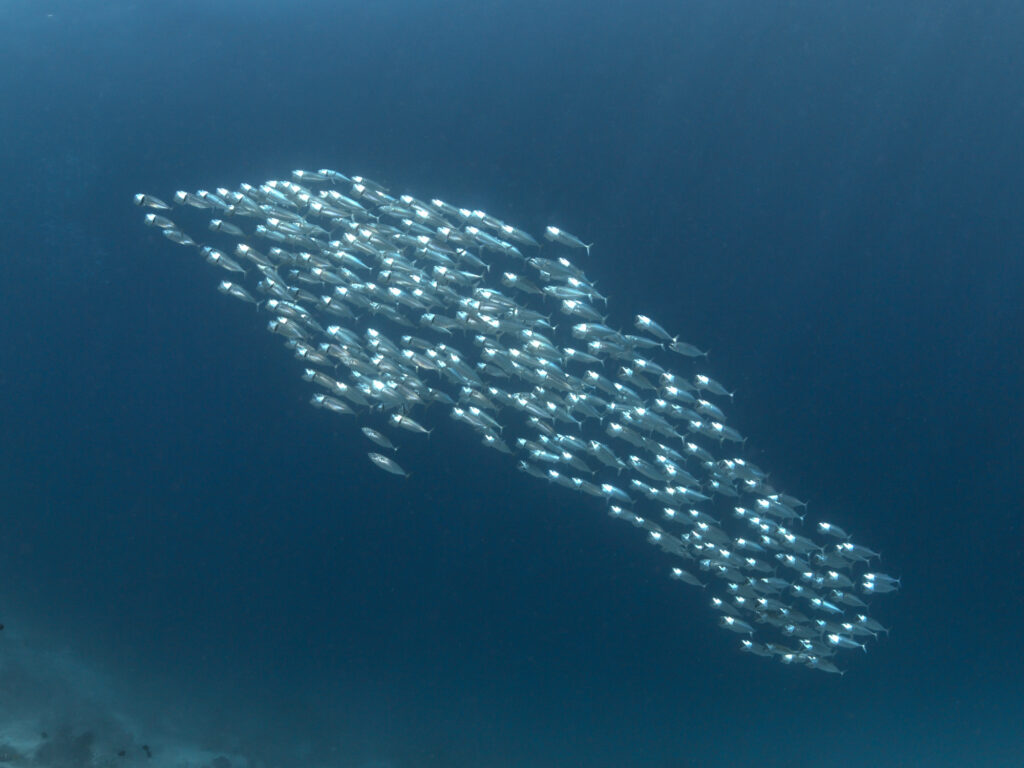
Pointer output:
x,y
396,306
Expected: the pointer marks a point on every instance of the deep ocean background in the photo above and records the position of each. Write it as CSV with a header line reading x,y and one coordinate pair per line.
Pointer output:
x,y
829,195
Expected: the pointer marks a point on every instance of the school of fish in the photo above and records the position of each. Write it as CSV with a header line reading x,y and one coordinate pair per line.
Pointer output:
x,y
397,307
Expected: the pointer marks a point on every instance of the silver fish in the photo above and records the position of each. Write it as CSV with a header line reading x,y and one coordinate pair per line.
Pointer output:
x,y
380,439
565,238
388,465
233,289
149,201
218,225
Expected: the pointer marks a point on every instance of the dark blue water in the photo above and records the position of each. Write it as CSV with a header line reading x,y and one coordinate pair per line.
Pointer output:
x,y
829,195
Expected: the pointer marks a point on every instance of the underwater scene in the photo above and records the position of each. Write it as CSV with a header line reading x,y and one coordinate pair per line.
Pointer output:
x,y
511,384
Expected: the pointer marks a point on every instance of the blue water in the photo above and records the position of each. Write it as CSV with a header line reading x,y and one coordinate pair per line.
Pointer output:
x,y
829,195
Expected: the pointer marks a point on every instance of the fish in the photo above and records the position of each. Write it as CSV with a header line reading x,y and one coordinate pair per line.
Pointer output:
x,y
734,624
403,309
646,324
878,584
409,424
149,201
161,222
841,641
687,350
213,256
388,465
175,235
332,404
218,225
233,289
376,437
703,382
562,237
681,574
581,309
